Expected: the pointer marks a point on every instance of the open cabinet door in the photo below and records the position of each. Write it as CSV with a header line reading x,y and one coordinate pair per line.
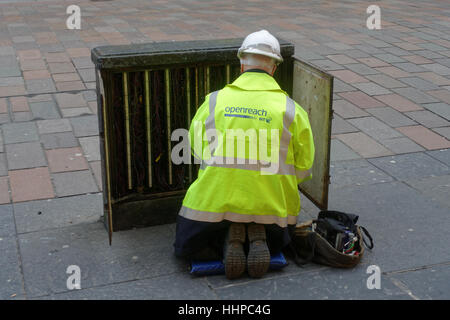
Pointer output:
x,y
313,90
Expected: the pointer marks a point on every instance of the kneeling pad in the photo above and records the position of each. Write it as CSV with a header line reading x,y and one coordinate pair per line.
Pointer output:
x,y
208,268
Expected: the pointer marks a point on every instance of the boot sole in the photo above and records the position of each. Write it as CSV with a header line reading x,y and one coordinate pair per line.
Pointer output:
x,y
235,260
258,259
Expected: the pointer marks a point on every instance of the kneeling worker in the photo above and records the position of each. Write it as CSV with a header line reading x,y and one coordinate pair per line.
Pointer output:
x,y
243,206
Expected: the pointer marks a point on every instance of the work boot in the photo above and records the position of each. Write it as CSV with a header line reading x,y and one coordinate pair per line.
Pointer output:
x,y
258,259
234,254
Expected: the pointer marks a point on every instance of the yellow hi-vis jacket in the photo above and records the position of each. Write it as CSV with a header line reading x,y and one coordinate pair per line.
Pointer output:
x,y
257,183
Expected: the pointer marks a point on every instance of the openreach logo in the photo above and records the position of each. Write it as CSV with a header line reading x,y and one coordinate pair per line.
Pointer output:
x,y
247,113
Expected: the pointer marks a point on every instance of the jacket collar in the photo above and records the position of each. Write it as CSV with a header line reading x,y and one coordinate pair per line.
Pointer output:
x,y
256,81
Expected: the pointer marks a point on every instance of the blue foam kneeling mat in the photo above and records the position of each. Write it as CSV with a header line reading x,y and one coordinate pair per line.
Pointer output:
x,y
205,268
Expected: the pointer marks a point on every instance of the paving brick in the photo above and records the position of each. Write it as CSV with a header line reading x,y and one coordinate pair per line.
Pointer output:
x,y
62,77
70,100
19,104
361,69
341,59
76,112
85,126
386,81
36,74
28,65
29,54
418,59
11,81
411,166
361,99
348,76
341,86
57,57
339,125
66,159
83,62
4,190
371,88
438,68
3,105
19,132
364,145
96,167
441,109
52,126
409,67
59,140
7,223
91,148
445,132
390,58
399,103
340,152
419,83
393,72
428,119
74,183
441,155
25,155
425,137
434,78
373,62
401,145
443,95
3,165
61,67
12,91
347,110
44,110
391,117
374,128
30,184
70,86
22,116
415,95
40,86
79,52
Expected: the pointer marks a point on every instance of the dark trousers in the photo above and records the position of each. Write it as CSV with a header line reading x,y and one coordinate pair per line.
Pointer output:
x,y
194,236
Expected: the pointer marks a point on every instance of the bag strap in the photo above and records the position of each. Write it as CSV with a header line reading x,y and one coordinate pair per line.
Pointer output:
x,y
311,238
368,236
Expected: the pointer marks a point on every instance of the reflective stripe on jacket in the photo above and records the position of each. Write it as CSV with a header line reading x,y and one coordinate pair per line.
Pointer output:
x,y
257,183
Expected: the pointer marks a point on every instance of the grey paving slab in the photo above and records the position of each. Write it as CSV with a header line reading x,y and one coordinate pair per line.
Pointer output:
x,y
76,112
74,183
340,125
340,86
135,254
371,88
428,119
53,126
91,148
401,145
316,285
3,165
85,126
445,132
361,69
40,86
375,128
40,215
415,95
419,83
442,109
409,67
406,226
435,287
22,116
410,166
4,118
435,188
11,81
356,172
87,74
339,151
326,64
7,224
19,132
11,279
391,117
177,286
386,81
390,58
25,155
44,110
441,155
59,140
438,68
347,110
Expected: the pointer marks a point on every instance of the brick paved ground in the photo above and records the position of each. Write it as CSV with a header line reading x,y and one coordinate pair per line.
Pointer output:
x,y
390,142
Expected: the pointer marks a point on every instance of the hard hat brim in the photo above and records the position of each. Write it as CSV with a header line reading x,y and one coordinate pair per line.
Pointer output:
x,y
277,58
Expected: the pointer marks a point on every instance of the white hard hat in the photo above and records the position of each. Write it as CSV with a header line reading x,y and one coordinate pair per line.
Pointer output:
x,y
263,43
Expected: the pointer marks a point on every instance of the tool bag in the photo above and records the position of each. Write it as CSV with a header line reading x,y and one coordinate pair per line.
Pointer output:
x,y
333,239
